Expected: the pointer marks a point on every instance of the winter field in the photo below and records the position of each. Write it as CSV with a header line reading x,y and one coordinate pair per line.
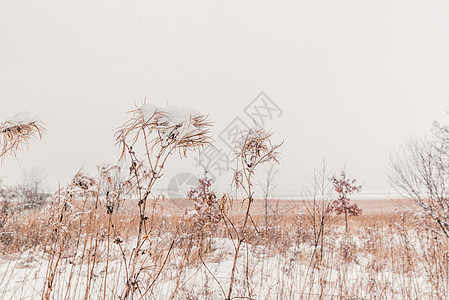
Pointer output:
x,y
224,150
80,252
110,236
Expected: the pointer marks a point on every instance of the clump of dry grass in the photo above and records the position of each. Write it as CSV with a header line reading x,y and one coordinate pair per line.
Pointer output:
x,y
16,132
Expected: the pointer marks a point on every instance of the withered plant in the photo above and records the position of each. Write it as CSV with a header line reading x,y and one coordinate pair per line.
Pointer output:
x,y
205,215
420,171
112,191
71,216
252,149
5,211
319,208
81,231
268,187
317,221
16,132
206,207
148,138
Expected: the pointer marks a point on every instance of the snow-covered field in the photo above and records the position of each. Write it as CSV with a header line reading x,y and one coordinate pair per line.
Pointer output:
x,y
389,258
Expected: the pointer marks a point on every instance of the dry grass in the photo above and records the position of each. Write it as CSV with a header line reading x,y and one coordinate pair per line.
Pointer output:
x,y
16,133
383,256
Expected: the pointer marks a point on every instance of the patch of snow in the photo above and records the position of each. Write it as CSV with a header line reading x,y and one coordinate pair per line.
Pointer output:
x,y
253,133
148,111
170,120
176,115
170,115
20,119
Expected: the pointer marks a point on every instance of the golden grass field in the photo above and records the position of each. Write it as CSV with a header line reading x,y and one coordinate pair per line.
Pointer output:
x,y
177,207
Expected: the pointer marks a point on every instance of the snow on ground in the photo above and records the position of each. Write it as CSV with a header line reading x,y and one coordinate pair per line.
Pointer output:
x,y
289,275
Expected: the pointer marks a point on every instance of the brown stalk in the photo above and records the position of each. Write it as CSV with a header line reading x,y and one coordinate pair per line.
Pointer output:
x,y
255,148
158,138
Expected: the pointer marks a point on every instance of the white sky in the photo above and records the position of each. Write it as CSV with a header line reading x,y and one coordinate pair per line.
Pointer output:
x,y
352,77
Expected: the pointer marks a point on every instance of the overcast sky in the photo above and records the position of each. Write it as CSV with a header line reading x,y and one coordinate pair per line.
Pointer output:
x,y
352,78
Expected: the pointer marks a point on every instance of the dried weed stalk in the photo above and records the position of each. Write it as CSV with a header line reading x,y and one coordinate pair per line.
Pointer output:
x,y
72,213
206,207
148,138
252,149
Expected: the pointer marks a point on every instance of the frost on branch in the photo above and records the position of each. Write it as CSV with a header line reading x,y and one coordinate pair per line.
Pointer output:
x,y
17,131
